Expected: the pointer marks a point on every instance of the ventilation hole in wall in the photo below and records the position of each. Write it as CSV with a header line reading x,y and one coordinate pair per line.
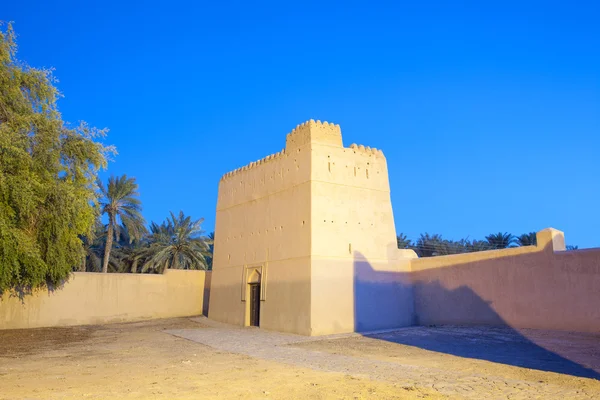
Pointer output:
x,y
324,220
298,150
349,248
367,174
329,166
228,256
302,223
281,227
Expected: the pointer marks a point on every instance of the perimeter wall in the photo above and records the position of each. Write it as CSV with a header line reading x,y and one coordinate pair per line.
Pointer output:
x,y
97,298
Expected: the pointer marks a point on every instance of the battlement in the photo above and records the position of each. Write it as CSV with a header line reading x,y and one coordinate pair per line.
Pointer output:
x,y
254,164
309,132
314,132
359,148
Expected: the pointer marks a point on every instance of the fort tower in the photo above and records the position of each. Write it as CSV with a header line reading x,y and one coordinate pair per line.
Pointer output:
x,y
295,230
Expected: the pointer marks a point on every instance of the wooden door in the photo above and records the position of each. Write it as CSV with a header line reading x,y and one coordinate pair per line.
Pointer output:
x,y
255,304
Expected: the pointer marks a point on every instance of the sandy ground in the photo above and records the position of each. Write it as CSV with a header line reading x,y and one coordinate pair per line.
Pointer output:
x,y
142,360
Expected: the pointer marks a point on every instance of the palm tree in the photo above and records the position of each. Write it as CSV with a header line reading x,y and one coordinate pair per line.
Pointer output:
x,y
93,245
429,245
500,240
121,204
177,243
477,245
129,253
403,241
527,239
211,249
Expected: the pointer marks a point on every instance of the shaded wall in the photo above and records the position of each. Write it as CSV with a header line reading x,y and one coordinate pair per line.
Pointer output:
x,y
540,287
96,298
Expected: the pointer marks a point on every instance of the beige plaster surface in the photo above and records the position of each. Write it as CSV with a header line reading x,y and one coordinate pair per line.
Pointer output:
x,y
540,287
96,298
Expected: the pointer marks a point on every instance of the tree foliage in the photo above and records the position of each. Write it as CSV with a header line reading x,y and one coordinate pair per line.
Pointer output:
x,y
527,239
428,245
501,240
178,243
120,203
47,174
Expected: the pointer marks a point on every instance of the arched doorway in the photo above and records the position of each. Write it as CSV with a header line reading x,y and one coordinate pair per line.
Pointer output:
x,y
253,299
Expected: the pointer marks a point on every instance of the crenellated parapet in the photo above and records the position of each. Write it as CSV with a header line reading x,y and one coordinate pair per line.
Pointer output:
x,y
254,164
359,148
309,132
314,132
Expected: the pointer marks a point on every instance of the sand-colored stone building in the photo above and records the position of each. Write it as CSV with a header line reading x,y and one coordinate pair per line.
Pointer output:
x,y
295,230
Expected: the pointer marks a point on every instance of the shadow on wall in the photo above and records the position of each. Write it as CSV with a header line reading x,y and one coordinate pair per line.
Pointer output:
x,y
206,295
382,299
373,311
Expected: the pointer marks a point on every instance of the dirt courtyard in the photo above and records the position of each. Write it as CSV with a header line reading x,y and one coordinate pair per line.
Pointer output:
x,y
193,358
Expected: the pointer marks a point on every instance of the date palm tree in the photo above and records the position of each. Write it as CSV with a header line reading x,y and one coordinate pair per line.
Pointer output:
x,y
178,243
120,202
527,239
500,240
403,241
93,246
211,250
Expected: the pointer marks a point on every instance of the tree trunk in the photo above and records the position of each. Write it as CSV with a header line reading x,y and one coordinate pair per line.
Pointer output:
x,y
175,263
108,246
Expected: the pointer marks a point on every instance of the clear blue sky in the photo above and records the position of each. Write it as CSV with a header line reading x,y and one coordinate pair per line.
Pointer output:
x,y
488,112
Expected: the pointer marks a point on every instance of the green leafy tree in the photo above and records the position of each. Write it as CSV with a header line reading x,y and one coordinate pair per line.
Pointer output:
x,y
527,239
178,243
120,203
47,174
500,240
